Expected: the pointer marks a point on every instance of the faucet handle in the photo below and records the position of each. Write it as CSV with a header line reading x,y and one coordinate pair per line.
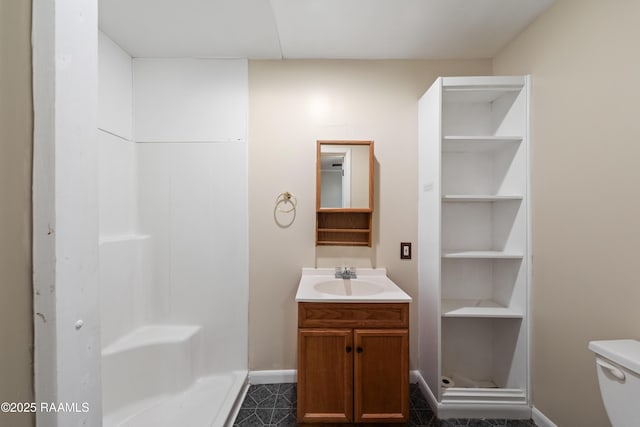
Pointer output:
x,y
345,273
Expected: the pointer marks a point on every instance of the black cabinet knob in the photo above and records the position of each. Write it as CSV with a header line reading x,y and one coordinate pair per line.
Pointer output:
x,y
359,349
348,349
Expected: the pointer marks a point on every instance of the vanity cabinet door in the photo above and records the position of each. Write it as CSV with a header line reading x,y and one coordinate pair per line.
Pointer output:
x,y
381,375
325,375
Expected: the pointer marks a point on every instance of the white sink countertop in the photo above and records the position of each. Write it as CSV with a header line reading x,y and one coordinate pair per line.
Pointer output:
x,y
371,285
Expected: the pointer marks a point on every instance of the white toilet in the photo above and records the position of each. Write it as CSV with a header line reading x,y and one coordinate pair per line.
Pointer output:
x,y
618,365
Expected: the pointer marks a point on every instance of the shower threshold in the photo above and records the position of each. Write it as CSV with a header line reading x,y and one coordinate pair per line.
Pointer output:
x,y
208,402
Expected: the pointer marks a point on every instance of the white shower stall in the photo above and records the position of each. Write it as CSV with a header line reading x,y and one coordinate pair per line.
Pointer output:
x,y
173,245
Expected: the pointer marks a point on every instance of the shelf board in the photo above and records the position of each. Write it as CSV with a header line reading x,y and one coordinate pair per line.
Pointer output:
x,y
478,95
478,198
464,395
339,243
477,308
483,138
477,143
343,230
482,255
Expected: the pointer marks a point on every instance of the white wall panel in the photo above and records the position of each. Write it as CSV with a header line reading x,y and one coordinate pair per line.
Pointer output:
x,y
194,203
115,80
117,185
125,286
116,155
154,204
429,235
190,100
193,197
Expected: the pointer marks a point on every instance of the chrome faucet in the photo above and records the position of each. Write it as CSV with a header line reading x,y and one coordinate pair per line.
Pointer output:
x,y
346,273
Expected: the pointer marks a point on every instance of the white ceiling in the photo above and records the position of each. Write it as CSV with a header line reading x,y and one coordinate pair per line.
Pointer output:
x,y
360,29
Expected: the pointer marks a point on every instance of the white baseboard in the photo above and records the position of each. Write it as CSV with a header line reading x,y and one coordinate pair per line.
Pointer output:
x,y
414,376
291,376
461,410
273,377
540,419
426,392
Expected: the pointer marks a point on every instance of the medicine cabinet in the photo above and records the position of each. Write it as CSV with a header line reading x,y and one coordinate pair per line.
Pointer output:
x,y
344,193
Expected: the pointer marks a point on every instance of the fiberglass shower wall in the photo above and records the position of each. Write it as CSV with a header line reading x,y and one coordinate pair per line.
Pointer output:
x,y
173,200
125,266
190,121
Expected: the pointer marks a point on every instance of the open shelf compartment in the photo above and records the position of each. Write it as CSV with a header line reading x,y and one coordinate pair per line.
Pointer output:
x,y
489,168
478,89
483,287
484,110
483,351
483,229
340,228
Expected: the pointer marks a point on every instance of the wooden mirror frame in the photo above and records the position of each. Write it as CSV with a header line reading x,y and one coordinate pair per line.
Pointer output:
x,y
319,175
343,226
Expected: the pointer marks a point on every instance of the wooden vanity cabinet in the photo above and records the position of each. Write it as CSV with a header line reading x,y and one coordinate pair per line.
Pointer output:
x,y
353,362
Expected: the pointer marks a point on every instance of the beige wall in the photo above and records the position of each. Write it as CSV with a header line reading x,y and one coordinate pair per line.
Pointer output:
x,y
16,323
585,62
293,104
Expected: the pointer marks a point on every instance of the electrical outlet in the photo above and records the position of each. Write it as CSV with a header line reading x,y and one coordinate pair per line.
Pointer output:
x,y
405,250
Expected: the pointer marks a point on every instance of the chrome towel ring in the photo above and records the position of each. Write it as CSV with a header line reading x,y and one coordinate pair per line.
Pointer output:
x,y
286,198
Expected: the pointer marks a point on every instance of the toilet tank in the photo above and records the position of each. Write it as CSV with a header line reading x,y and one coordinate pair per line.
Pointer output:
x,y
618,367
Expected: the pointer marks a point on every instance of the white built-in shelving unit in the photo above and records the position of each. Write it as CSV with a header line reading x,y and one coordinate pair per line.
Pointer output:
x,y
474,262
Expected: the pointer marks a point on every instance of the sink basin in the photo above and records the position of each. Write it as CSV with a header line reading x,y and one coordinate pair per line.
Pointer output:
x,y
372,285
348,287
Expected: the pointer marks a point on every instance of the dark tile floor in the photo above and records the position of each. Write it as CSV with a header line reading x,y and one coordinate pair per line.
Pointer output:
x,y
275,405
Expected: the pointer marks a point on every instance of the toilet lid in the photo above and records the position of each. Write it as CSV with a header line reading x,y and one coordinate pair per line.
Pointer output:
x,y
625,353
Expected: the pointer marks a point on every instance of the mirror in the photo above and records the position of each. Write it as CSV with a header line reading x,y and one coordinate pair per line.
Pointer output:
x,y
344,178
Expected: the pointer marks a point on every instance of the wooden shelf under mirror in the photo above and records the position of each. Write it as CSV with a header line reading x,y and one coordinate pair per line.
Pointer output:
x,y
344,193
343,228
